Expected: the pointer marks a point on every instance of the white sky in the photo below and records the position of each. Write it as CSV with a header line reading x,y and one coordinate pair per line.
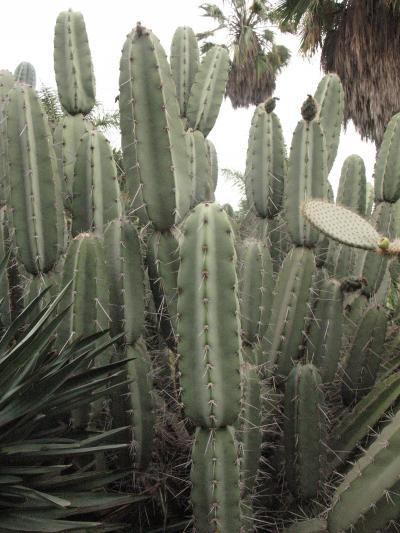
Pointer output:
x,y
27,35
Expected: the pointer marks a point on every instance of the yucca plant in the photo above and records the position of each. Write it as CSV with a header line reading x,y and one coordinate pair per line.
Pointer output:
x,y
47,482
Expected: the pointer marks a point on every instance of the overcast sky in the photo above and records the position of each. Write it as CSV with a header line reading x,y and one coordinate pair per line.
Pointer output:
x,y
27,35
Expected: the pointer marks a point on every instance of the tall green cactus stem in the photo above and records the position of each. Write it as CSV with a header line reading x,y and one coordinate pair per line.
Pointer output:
x,y
278,239
85,277
304,432
330,98
208,319
215,481
248,432
153,139
199,168
87,295
25,73
10,282
355,305
322,248
266,163
307,173
324,339
256,285
124,262
36,284
387,165
35,189
163,265
342,225
73,64
6,84
67,136
368,497
208,90
289,309
356,424
95,191
213,157
185,60
362,363
134,407
353,184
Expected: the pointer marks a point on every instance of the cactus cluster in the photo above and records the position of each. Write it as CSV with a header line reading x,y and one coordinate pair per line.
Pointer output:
x,y
256,358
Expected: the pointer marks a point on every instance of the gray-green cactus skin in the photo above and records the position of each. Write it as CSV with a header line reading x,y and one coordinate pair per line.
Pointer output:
x,y
324,338
357,423
213,157
367,499
352,188
153,143
199,168
322,248
330,98
163,265
25,73
363,360
87,298
289,310
248,432
355,305
266,163
387,165
256,284
87,294
307,177
184,60
7,82
123,254
73,64
278,239
95,190
208,319
36,284
35,198
67,136
134,407
304,431
215,481
208,90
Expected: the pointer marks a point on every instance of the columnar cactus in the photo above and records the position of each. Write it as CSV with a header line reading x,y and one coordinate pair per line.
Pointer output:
x,y
25,73
266,162
330,98
35,190
208,319
95,190
73,64
208,90
184,63
67,136
304,432
199,168
153,144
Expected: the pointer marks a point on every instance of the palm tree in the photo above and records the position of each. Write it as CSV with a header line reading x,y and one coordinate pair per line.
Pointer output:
x,y
359,40
256,59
